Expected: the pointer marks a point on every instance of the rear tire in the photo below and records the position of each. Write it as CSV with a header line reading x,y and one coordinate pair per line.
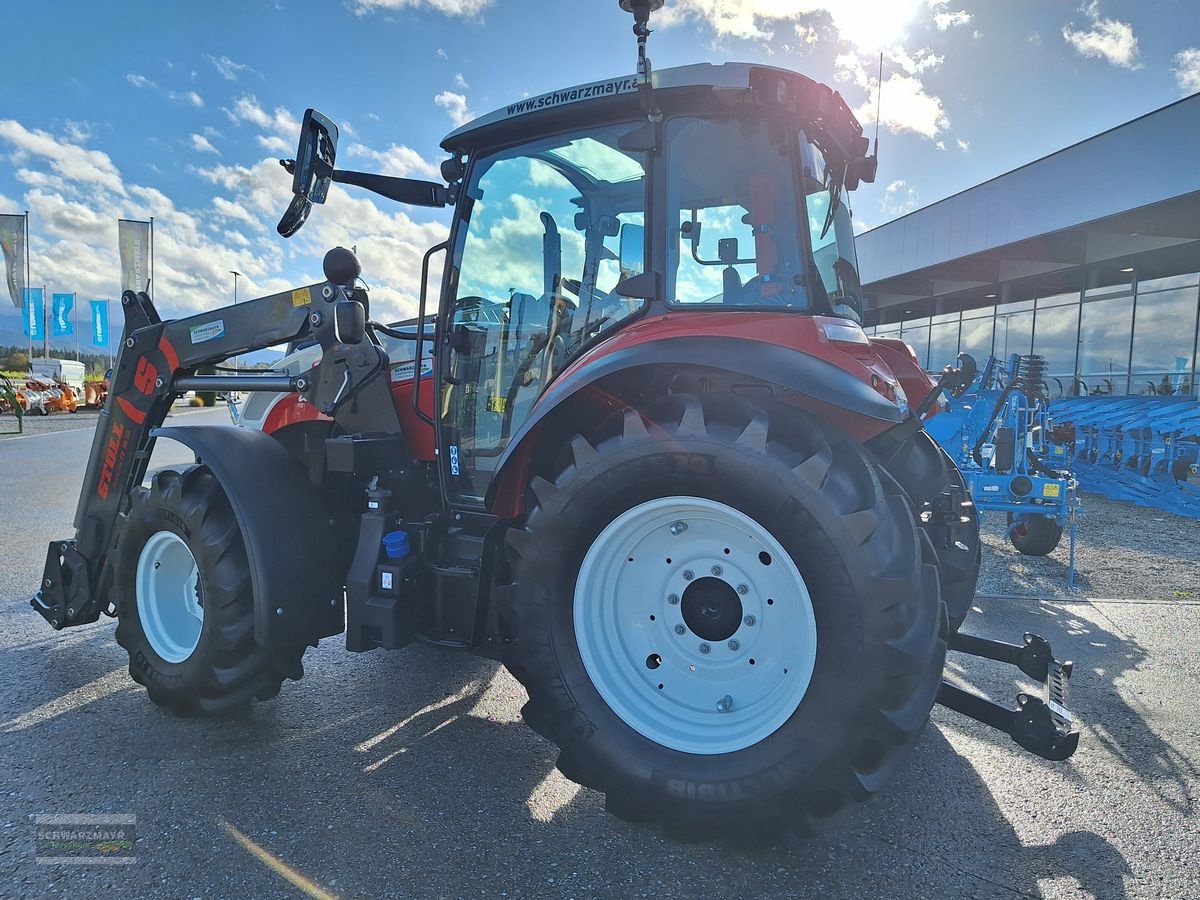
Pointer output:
x,y
185,605
1037,536
771,482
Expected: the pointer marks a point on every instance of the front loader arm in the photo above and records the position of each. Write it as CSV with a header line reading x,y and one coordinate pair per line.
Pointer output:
x,y
156,361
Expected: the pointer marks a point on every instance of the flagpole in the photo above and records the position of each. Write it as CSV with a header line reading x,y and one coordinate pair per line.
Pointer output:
x,y
108,333
150,283
45,327
74,322
28,294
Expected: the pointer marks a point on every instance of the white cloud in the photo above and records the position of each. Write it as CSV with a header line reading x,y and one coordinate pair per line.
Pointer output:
x,y
1187,70
964,146
899,198
455,106
397,159
70,161
441,54
189,97
201,144
228,69
944,20
906,107
1107,39
227,209
139,81
463,8
460,82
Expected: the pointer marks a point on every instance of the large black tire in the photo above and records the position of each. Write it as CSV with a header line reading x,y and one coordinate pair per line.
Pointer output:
x,y
1037,536
880,624
227,668
926,471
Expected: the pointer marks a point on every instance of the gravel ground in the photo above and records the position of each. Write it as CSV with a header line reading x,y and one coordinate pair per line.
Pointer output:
x,y
1122,551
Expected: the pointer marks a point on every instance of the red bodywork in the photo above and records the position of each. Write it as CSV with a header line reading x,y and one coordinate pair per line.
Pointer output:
x,y
292,409
805,334
916,382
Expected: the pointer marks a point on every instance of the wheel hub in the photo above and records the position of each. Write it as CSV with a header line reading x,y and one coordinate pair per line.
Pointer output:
x,y
712,609
694,625
169,600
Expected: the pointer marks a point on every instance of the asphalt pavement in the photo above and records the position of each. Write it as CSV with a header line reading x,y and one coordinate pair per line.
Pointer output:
x,y
410,774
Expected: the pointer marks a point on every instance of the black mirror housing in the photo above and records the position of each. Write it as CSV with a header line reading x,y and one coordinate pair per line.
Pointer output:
x,y
312,170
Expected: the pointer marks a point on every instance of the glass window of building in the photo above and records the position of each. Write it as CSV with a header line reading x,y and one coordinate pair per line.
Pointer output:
x,y
1055,337
975,336
915,333
1169,282
943,341
1014,330
1163,340
1104,334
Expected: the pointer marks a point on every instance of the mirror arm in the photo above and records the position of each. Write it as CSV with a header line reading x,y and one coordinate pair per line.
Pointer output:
x,y
402,190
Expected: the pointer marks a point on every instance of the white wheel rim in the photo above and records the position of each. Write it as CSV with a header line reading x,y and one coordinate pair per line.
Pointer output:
x,y
169,603
635,624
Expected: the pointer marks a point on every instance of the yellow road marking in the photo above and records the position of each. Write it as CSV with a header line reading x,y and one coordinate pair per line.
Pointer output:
x,y
278,866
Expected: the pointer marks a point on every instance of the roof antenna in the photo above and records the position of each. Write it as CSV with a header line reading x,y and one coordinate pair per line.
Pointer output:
x,y
878,103
641,9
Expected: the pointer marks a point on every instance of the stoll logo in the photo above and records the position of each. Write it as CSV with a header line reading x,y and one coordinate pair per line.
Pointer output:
x,y
82,839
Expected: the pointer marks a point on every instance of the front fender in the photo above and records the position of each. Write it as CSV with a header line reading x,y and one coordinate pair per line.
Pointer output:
x,y
293,568
789,368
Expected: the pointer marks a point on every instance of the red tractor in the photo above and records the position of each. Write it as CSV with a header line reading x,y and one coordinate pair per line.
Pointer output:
x,y
654,465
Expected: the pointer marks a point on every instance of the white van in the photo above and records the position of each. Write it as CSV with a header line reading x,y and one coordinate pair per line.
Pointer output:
x,y
67,371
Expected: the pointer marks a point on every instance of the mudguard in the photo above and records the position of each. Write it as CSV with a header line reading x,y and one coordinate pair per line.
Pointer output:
x,y
774,363
296,578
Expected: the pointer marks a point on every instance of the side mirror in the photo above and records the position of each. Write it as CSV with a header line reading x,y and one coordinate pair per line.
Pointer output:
x,y
312,169
631,250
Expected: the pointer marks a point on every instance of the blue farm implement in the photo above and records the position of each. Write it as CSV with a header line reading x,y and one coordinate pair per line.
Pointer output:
x,y
1013,458
1139,449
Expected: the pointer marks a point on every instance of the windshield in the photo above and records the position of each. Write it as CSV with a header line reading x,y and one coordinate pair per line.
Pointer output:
x,y
832,236
552,228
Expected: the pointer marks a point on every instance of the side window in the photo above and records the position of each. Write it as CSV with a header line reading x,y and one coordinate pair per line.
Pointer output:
x,y
832,237
731,197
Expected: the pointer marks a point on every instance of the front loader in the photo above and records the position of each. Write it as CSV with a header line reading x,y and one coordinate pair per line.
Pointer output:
x,y
653,464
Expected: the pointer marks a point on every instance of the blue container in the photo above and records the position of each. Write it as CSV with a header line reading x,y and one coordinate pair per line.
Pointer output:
x,y
395,544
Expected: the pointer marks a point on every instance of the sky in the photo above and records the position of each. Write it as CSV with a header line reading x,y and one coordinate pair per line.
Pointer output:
x,y
181,111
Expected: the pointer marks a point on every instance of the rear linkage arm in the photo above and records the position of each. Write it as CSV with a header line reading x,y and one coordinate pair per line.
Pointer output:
x,y
1043,726
156,362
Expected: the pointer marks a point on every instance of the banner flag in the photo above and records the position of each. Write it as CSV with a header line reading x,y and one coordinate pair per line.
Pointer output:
x,y
32,318
100,323
12,240
62,304
133,240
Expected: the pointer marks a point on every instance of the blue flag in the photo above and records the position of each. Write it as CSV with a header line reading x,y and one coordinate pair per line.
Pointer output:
x,y
100,323
31,317
63,304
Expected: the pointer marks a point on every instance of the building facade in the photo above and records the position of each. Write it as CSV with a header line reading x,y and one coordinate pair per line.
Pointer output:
x,y
1089,257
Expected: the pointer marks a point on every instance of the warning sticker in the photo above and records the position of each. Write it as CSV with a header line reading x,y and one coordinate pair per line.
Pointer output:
x,y
208,331
1051,490
302,297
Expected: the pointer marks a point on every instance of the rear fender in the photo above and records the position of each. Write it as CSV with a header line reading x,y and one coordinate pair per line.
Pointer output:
x,y
829,388
296,576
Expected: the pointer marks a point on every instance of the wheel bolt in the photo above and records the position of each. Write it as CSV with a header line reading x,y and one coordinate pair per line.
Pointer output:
x,y
734,645
743,589
679,629
716,570
673,599
749,620
704,648
725,704
688,575
678,528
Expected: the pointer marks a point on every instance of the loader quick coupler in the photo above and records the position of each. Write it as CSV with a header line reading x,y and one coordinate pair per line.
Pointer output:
x,y
1044,726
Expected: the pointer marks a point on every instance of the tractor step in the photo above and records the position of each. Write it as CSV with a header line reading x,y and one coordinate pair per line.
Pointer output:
x,y
1043,726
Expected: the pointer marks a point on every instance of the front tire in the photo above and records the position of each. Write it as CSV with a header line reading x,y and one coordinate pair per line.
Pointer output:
x,y
185,605
793,530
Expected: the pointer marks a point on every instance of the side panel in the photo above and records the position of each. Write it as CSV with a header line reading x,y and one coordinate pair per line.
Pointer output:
x,y
297,579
